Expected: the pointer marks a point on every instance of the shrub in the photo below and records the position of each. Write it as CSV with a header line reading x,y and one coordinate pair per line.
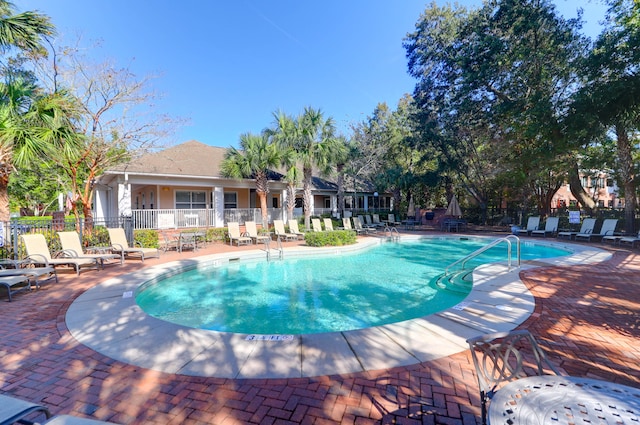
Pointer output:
x,y
335,238
146,238
216,234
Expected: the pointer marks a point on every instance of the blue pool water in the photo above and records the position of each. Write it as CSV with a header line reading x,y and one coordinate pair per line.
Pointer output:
x,y
384,284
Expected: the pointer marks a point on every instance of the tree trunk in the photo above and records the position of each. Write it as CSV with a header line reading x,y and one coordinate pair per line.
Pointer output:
x,y
5,213
306,193
262,196
340,197
88,219
578,192
627,175
291,200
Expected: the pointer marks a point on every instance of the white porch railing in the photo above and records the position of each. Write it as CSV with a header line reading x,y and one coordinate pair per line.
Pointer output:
x,y
179,219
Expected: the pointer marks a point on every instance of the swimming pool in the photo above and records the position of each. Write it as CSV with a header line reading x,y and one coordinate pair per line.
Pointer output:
x,y
385,284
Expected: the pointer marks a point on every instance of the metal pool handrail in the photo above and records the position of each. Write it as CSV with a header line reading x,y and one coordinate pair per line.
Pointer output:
x,y
474,254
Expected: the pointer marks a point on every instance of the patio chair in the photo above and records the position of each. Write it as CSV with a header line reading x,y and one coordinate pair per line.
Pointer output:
x,y
19,278
233,228
167,243
346,225
500,357
252,232
391,220
15,410
630,240
550,227
70,242
357,224
607,229
376,221
280,232
120,245
293,228
315,225
368,228
587,227
38,254
532,224
328,224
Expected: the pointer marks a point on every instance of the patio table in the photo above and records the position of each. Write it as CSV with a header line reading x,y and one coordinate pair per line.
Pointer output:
x,y
561,400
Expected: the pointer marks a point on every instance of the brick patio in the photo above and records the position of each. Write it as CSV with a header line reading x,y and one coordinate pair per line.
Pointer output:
x,y
587,317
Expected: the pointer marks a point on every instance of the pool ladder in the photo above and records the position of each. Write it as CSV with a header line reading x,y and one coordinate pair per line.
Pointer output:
x,y
391,233
267,248
463,261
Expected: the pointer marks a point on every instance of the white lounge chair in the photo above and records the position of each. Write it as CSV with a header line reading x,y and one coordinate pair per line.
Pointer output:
x,y
38,253
315,224
328,224
608,229
19,279
293,228
233,228
280,232
71,245
630,240
357,224
550,227
587,227
532,224
120,244
346,223
252,232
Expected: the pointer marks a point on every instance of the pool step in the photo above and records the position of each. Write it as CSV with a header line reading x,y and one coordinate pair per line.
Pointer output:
x,y
460,281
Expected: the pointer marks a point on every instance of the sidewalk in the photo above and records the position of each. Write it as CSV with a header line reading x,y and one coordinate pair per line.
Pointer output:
x,y
587,317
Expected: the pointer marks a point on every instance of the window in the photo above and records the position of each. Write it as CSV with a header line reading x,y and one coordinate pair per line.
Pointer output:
x,y
230,200
187,200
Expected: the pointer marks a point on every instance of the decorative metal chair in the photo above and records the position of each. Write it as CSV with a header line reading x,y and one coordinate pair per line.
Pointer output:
x,y
500,357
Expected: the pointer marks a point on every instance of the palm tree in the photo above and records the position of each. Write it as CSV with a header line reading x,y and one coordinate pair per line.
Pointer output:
x,y
25,31
317,147
284,133
256,156
32,126
24,115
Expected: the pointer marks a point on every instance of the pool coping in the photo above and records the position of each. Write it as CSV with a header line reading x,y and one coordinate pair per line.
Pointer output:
x,y
106,319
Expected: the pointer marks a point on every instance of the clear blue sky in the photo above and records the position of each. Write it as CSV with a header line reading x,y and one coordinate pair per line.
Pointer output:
x,y
227,65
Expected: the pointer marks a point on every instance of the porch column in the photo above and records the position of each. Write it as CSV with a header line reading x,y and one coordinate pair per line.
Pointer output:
x,y
365,202
124,199
218,207
333,199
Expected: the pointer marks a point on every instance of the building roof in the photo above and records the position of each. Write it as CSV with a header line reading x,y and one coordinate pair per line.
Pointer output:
x,y
190,158
195,158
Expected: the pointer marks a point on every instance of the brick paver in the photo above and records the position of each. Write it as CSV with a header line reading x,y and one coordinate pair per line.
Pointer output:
x,y
587,317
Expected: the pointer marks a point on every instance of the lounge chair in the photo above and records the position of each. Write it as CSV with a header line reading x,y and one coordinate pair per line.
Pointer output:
x,y
532,224
328,224
376,221
71,245
357,224
346,223
315,225
38,253
587,227
293,228
607,229
20,279
120,245
550,227
233,228
367,228
15,410
391,220
252,232
281,234
630,240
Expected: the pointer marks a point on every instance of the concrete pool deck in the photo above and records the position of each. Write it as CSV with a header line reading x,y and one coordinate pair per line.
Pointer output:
x,y
499,301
